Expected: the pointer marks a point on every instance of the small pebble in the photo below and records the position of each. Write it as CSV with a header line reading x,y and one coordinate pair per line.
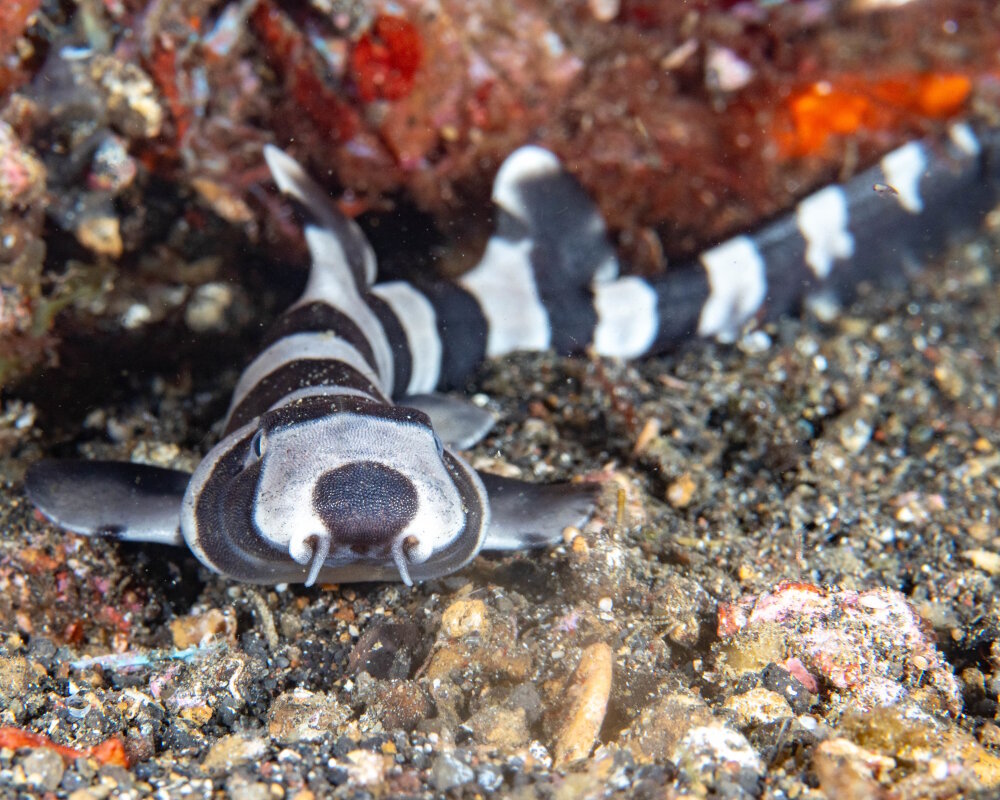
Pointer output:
x,y
681,491
705,748
588,693
101,235
198,629
229,751
758,707
604,10
304,716
489,778
986,560
365,768
650,431
726,71
570,534
846,770
505,728
465,617
448,771
43,768
989,735
206,310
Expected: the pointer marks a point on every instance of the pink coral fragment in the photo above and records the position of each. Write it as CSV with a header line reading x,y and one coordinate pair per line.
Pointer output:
x,y
871,645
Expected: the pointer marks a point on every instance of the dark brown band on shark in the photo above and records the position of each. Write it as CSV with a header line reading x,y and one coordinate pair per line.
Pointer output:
x,y
319,317
462,329
318,406
226,533
296,375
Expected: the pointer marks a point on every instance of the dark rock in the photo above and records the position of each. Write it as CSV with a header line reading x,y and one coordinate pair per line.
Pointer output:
x,y
386,650
449,771
788,686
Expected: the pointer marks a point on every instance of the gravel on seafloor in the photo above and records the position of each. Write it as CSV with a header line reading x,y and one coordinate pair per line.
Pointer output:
x,y
788,590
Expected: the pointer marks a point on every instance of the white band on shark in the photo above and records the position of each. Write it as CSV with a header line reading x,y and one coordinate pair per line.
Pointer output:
x,y
738,286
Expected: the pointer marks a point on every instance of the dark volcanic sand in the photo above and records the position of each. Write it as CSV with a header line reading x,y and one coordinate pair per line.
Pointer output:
x,y
856,454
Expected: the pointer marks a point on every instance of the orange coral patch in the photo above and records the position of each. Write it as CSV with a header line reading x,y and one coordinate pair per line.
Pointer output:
x,y
850,104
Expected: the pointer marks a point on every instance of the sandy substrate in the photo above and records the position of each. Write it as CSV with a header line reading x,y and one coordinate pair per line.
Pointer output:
x,y
788,589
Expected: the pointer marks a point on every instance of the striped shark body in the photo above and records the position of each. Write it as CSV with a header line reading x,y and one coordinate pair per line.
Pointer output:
x,y
339,463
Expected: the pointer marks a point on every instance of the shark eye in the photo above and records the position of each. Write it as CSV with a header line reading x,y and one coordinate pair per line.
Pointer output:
x,y
257,445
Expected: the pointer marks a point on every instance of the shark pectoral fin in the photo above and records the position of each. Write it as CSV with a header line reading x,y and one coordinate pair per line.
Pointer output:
x,y
131,502
458,423
526,515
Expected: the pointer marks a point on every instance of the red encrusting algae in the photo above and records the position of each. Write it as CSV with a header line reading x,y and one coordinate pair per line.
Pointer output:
x,y
110,751
15,16
163,69
385,60
297,63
